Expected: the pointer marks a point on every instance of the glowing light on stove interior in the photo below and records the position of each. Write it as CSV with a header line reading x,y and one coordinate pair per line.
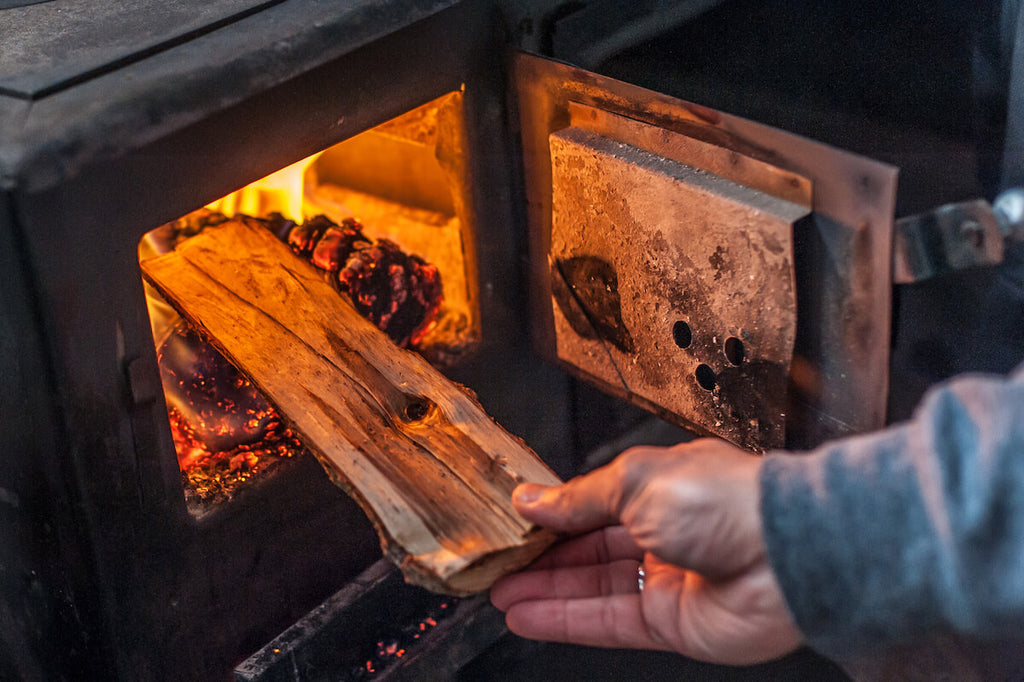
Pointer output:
x,y
280,192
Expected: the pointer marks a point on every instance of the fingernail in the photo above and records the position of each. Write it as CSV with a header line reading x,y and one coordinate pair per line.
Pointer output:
x,y
528,493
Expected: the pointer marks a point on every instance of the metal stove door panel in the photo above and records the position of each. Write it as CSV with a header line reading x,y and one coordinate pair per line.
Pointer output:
x,y
728,276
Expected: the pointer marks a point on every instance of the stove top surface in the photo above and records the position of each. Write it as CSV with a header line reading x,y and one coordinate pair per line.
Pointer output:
x,y
52,45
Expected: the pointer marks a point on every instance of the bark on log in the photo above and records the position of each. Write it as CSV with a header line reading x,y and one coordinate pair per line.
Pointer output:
x,y
430,468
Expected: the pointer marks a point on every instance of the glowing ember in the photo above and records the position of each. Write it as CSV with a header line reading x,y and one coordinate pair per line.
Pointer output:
x,y
395,645
212,476
224,431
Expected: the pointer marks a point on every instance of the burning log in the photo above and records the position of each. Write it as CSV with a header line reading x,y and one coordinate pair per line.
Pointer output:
x,y
397,291
419,454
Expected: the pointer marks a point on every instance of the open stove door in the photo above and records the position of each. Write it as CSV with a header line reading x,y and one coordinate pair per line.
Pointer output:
x,y
731,277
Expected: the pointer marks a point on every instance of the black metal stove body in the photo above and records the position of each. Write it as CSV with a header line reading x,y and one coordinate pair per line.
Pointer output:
x,y
106,574
111,126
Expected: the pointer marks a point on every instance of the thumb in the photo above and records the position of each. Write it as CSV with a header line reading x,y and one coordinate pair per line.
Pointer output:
x,y
582,504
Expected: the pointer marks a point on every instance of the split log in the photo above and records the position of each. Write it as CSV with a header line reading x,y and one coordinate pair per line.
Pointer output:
x,y
429,467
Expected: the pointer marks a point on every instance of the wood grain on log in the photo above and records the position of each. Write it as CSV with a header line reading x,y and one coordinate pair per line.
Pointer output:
x,y
430,468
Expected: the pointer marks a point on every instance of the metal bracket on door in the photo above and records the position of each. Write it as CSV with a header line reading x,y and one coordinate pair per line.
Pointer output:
x,y
956,237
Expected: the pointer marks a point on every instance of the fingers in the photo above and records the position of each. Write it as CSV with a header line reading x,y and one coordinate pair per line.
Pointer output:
x,y
615,621
599,563
584,503
569,583
597,547
736,622
596,499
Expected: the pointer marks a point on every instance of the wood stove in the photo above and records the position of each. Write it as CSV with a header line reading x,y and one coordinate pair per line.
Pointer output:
x,y
110,573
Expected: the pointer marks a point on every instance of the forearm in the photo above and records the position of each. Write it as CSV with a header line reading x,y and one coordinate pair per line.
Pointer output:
x,y
878,539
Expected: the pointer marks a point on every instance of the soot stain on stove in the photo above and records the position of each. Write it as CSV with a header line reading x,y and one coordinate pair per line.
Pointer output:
x,y
586,289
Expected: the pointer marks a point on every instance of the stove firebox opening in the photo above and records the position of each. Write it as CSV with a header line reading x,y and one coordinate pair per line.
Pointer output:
x,y
386,218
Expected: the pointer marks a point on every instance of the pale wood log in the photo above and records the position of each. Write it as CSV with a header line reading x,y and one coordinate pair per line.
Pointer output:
x,y
429,467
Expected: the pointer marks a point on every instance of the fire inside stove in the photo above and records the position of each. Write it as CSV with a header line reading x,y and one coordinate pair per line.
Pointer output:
x,y
385,217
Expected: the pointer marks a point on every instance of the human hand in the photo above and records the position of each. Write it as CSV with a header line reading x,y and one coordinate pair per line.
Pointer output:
x,y
689,516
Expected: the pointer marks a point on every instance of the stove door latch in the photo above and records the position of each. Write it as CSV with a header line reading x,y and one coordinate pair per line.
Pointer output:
x,y
957,236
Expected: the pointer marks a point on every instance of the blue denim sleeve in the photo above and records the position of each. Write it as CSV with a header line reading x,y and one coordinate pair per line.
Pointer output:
x,y
883,539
